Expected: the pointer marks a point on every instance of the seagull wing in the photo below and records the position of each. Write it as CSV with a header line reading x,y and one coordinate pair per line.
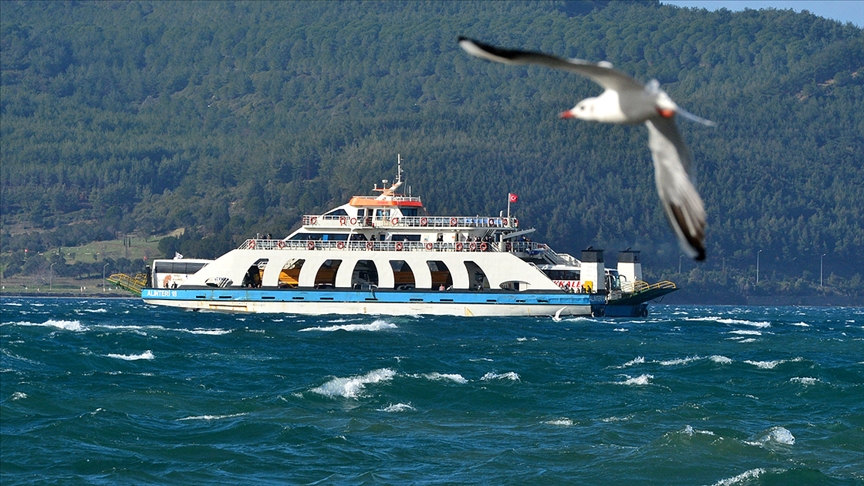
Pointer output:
x,y
601,73
681,202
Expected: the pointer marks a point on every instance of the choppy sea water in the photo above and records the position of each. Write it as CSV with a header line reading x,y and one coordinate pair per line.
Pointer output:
x,y
119,392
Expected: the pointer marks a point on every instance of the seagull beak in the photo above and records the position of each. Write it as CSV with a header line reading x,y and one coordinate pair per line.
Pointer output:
x,y
566,114
666,112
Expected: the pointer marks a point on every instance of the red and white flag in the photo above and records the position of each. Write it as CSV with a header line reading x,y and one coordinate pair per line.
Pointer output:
x,y
513,197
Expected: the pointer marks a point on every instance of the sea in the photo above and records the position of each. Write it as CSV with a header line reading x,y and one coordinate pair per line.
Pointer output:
x,y
115,391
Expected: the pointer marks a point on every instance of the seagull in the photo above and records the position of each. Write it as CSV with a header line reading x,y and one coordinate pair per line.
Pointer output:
x,y
627,101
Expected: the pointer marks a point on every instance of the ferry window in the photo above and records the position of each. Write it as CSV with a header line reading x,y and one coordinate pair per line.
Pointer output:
x,y
361,213
409,212
179,266
335,214
405,238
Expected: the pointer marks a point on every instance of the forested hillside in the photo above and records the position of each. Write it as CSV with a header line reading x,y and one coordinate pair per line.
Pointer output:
x,y
231,118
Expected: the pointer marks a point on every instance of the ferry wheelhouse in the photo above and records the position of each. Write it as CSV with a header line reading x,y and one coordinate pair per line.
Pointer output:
x,y
384,254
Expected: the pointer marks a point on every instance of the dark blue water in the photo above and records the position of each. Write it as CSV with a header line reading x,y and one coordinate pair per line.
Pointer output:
x,y
119,392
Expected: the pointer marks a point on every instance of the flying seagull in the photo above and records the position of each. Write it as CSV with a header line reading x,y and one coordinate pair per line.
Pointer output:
x,y
627,101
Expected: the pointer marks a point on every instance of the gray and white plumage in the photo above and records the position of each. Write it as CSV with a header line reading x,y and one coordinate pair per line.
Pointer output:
x,y
627,101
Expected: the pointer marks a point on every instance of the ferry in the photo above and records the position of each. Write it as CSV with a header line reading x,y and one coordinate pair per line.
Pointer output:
x,y
384,254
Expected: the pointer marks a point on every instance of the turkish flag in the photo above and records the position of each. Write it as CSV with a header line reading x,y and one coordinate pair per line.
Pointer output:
x,y
513,197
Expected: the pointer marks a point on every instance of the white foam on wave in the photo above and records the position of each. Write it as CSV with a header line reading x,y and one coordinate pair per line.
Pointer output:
x,y
689,430
636,381
561,422
745,332
208,332
774,435
679,361
378,325
100,310
18,396
510,375
804,380
211,417
399,407
801,324
455,377
620,329
723,320
746,476
635,361
770,365
133,357
65,325
353,386
720,359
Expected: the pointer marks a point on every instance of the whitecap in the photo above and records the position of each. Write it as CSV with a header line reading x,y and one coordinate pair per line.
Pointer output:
x,y
510,375
745,332
209,332
620,329
133,357
446,376
637,381
634,361
689,430
774,435
59,324
211,417
378,325
18,396
801,324
94,311
679,361
399,407
804,380
741,478
769,365
353,386
563,422
720,359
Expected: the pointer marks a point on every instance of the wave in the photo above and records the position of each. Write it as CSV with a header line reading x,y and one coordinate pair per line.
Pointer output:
x,y
399,407
636,381
65,325
679,361
746,476
676,361
445,376
378,325
770,365
723,320
635,361
804,380
774,435
689,430
745,332
133,357
211,417
510,375
353,386
564,422
18,396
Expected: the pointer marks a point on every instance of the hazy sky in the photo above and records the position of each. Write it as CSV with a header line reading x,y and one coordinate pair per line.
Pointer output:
x,y
842,10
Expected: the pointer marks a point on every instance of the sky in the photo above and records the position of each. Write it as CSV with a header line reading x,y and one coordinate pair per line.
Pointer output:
x,y
842,10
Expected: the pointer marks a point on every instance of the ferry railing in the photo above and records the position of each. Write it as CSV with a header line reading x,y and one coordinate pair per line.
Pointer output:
x,y
410,222
642,286
526,247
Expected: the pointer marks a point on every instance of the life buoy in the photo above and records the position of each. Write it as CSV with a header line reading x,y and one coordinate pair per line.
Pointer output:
x,y
398,246
340,245
313,220
429,246
472,246
353,221
459,246
491,222
281,244
251,244
310,245
483,246
369,245
423,221
343,220
506,222
509,246
453,221
394,221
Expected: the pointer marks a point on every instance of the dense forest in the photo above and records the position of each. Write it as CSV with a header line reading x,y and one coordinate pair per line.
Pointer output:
x,y
231,118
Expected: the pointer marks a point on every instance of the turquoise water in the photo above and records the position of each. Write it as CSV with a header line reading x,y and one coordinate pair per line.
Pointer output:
x,y
119,392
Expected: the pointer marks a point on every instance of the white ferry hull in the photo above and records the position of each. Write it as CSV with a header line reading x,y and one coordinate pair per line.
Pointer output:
x,y
383,303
